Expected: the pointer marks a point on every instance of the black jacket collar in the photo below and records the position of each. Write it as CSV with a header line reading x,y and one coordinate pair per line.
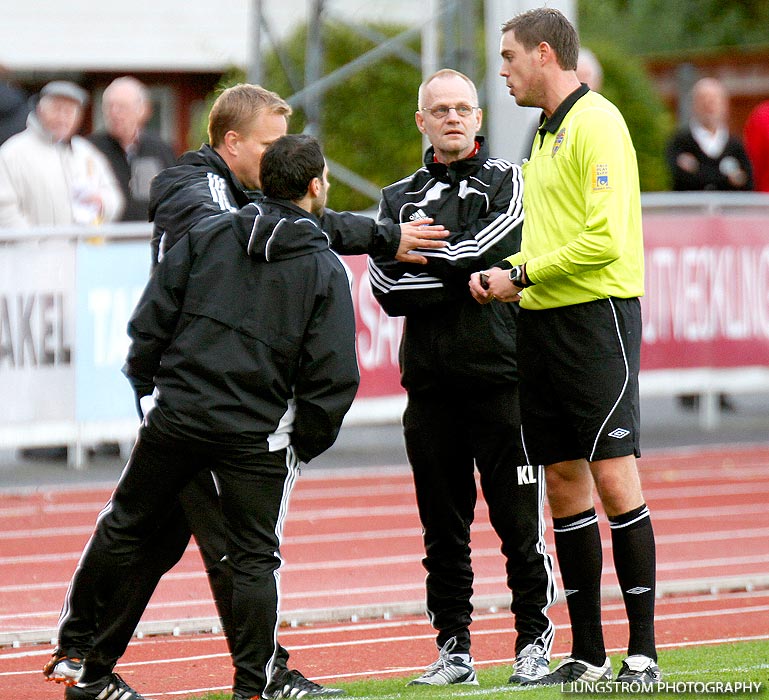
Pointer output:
x,y
459,169
261,229
290,210
556,118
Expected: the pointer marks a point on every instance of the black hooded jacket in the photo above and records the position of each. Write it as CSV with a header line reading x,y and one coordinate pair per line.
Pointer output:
x,y
202,185
246,331
150,156
198,186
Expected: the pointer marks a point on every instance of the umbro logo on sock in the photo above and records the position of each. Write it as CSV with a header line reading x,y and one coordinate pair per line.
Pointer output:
x,y
619,433
638,590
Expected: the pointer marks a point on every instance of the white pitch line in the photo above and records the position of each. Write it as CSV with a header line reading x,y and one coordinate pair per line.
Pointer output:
x,y
704,514
405,488
699,537
657,490
416,587
380,625
407,638
410,559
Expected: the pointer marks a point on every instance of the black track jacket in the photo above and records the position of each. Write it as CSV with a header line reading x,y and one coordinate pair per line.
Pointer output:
x,y
202,185
150,156
450,340
246,327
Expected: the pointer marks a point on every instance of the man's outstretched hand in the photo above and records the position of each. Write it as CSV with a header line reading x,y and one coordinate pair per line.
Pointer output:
x,y
419,234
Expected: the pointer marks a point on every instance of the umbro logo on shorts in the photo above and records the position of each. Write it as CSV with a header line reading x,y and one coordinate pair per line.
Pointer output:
x,y
619,433
638,590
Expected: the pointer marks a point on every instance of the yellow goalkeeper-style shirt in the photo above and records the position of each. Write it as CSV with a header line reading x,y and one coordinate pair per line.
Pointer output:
x,y
582,236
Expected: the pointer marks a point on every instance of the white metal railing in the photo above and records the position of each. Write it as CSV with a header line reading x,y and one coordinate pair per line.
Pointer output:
x,y
64,308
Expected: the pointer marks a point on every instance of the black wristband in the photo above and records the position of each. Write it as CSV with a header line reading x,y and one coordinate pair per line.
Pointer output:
x,y
517,274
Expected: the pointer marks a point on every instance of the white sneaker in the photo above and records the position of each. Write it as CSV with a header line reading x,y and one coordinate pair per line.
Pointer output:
x,y
571,670
448,670
530,665
639,669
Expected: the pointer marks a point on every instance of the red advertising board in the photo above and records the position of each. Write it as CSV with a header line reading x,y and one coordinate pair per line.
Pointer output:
x,y
706,302
707,291
378,337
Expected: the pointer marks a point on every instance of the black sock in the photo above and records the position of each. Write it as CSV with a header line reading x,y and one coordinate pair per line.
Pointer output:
x,y
93,672
578,547
635,562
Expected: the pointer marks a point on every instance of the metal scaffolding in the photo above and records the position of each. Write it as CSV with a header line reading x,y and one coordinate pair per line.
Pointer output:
x,y
449,37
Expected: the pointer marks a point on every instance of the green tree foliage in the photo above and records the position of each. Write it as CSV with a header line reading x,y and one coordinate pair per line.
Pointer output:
x,y
367,120
645,27
652,26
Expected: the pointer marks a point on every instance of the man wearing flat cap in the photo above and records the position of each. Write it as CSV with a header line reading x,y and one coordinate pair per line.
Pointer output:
x,y
50,176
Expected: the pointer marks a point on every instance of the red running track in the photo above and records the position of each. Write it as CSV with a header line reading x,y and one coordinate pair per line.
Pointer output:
x,y
360,528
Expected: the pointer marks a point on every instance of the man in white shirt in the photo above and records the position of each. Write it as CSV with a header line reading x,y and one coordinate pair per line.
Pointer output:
x,y
48,175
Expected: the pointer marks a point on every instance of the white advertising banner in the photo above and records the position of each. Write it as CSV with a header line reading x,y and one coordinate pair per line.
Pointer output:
x,y
37,332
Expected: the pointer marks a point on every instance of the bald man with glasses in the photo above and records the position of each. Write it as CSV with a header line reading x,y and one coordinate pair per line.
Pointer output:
x,y
458,366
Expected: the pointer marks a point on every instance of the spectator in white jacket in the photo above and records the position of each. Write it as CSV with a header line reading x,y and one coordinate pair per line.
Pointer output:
x,y
48,175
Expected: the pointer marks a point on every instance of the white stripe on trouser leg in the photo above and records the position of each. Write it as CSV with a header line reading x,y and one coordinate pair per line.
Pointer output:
x,y
548,634
292,466
66,607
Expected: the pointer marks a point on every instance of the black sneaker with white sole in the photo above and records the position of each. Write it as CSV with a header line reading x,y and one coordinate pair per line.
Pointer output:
x,y
111,687
639,669
571,671
292,684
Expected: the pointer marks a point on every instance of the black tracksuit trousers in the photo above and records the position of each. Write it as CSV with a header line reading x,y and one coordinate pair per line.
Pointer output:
x,y
254,493
448,431
197,512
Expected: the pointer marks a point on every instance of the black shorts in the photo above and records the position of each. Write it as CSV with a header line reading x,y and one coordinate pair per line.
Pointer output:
x,y
579,381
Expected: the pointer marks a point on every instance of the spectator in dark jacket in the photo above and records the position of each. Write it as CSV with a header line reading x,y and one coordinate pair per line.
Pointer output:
x,y
134,154
14,108
704,155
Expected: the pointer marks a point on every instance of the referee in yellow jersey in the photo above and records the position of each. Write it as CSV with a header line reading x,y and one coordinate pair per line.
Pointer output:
x,y
578,277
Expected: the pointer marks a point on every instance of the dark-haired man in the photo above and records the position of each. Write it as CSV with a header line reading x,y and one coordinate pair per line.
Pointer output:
x,y
579,276
212,398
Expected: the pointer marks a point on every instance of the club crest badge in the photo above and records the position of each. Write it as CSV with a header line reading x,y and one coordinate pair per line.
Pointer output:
x,y
559,138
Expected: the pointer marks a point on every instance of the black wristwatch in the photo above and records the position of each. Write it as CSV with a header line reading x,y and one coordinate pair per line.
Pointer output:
x,y
516,274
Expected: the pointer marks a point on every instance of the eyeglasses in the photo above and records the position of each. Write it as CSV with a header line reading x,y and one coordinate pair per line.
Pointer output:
x,y
441,111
